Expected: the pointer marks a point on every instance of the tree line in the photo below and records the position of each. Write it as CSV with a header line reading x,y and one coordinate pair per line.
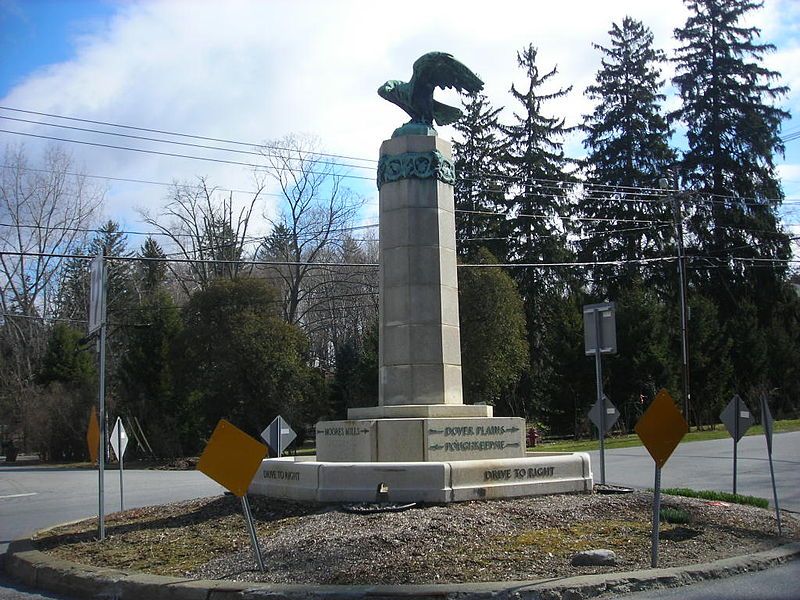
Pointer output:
x,y
207,320
658,192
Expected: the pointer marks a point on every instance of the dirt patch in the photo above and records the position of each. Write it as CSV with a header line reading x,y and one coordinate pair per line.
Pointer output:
x,y
500,540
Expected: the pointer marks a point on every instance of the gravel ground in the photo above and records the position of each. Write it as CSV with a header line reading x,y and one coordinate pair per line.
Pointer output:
x,y
500,540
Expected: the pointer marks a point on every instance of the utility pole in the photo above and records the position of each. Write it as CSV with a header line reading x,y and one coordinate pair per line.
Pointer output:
x,y
676,198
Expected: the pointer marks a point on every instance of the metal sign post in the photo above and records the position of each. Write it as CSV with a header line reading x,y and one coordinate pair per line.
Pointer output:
x,y
766,418
600,337
248,516
656,518
97,323
119,442
604,415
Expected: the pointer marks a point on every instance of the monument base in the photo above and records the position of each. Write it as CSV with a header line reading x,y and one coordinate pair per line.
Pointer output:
x,y
420,439
305,478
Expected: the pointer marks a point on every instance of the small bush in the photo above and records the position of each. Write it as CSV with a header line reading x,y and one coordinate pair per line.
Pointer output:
x,y
677,516
718,496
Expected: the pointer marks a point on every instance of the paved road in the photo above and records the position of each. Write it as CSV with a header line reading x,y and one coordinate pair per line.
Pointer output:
x,y
36,497
709,466
33,497
779,583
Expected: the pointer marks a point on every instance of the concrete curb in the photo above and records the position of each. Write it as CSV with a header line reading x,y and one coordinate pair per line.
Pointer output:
x,y
41,571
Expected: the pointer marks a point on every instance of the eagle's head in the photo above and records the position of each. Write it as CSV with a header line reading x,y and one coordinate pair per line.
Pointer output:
x,y
387,90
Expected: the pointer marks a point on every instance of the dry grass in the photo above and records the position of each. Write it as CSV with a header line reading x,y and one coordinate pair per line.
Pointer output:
x,y
525,538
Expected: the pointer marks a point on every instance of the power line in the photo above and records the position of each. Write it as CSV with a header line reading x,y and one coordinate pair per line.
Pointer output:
x,y
172,154
556,216
187,144
656,195
141,181
331,264
271,263
186,135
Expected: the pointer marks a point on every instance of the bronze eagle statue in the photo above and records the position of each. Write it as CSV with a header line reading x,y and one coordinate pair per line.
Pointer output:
x,y
431,70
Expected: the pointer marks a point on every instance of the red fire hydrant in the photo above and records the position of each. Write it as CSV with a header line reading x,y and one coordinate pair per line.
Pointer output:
x,y
533,436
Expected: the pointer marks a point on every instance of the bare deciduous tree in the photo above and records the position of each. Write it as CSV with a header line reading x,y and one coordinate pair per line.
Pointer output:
x,y
344,299
316,213
45,211
204,227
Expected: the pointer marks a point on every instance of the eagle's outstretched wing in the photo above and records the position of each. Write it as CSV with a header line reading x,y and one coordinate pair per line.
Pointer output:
x,y
440,69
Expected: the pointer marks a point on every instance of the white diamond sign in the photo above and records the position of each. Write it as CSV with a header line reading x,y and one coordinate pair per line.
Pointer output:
x,y
737,418
278,436
610,417
119,439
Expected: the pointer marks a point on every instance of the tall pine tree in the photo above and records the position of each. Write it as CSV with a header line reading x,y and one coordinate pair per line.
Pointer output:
x,y
733,136
627,140
480,184
536,167
732,128
539,193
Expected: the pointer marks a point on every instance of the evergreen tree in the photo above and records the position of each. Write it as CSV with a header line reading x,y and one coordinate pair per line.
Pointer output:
x,y
55,417
147,389
647,359
480,183
628,143
235,358
223,245
152,269
733,130
536,163
72,301
355,382
494,346
73,298
65,361
113,243
536,166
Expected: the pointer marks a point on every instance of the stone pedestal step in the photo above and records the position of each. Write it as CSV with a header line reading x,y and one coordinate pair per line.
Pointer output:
x,y
305,478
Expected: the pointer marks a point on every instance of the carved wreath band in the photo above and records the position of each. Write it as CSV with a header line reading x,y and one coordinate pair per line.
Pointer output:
x,y
419,165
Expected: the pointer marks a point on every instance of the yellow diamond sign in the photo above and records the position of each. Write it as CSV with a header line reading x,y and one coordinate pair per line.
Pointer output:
x,y
93,436
231,458
661,428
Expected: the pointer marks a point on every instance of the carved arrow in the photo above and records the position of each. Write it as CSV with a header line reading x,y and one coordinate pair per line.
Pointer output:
x,y
436,447
435,430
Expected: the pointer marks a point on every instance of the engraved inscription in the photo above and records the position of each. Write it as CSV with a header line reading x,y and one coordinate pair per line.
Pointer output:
x,y
516,474
281,475
341,431
474,438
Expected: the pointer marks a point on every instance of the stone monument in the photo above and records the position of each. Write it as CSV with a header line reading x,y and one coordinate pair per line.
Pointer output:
x,y
421,441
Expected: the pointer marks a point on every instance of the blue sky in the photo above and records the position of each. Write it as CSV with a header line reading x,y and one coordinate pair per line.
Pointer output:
x,y
36,33
258,71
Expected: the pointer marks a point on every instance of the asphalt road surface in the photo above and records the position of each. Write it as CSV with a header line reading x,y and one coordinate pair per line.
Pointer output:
x,y
779,583
33,497
709,466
